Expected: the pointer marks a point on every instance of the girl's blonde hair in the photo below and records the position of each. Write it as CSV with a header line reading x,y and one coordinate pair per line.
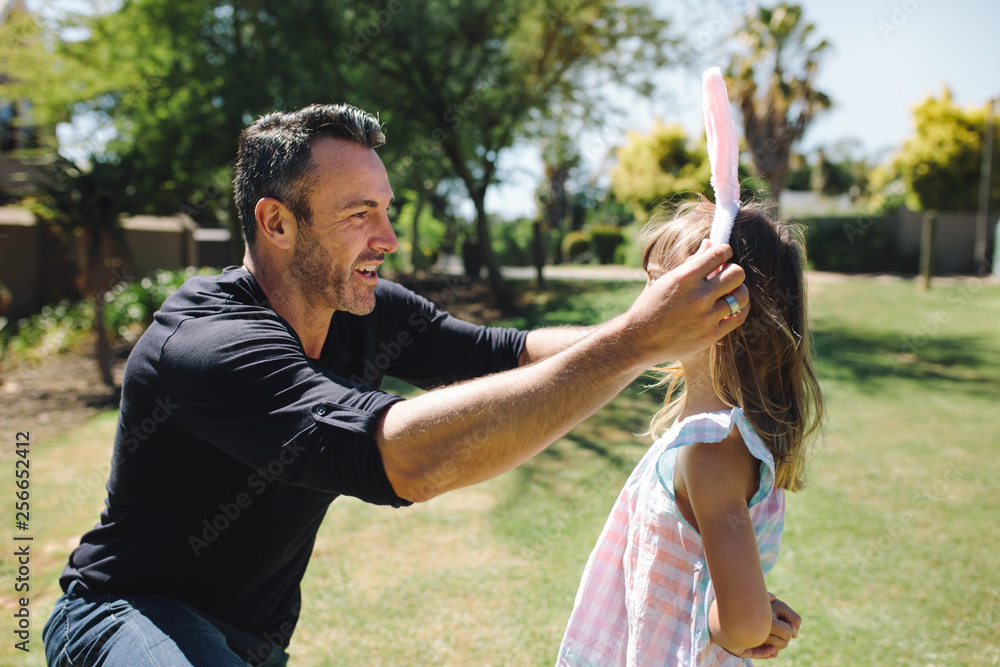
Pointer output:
x,y
764,366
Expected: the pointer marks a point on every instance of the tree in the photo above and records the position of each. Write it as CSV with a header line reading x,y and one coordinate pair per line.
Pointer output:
x,y
454,82
836,172
476,76
664,165
659,165
86,205
178,81
773,83
832,170
940,164
560,158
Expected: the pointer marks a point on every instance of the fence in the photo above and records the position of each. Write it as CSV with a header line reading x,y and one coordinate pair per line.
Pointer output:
x,y
37,268
891,243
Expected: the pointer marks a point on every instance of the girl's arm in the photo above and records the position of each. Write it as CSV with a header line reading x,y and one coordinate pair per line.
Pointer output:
x,y
784,628
719,479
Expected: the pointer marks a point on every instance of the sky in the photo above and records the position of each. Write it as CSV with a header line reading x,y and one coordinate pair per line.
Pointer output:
x,y
885,58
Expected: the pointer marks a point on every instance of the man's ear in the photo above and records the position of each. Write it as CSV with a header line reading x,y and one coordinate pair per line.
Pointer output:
x,y
275,223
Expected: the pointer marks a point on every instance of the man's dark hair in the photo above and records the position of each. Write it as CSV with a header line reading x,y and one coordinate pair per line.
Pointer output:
x,y
274,157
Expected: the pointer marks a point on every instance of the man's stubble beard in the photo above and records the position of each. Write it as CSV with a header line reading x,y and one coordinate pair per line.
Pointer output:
x,y
318,276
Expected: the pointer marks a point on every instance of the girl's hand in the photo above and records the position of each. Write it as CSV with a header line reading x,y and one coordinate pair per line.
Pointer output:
x,y
784,627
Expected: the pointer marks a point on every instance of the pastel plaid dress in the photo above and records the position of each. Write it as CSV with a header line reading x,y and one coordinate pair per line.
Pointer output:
x,y
646,592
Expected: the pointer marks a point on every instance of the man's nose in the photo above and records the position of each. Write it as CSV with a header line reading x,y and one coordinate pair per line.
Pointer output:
x,y
384,239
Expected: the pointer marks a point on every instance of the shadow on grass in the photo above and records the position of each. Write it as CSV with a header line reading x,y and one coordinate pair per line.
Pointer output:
x,y
605,441
109,400
872,361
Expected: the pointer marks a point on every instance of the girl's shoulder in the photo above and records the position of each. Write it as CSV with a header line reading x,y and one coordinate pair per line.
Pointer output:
x,y
709,427
721,432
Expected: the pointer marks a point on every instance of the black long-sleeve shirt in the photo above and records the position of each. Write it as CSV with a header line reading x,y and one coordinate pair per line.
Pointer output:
x,y
232,443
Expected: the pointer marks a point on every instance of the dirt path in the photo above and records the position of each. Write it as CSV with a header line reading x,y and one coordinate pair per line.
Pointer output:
x,y
52,395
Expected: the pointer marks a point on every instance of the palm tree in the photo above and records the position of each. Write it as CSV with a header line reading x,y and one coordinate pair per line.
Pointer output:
x,y
774,85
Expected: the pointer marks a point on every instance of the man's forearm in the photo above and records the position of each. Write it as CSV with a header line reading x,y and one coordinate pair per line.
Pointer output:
x,y
468,433
544,343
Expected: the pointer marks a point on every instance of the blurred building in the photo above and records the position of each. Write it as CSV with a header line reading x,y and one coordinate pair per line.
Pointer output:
x,y
17,132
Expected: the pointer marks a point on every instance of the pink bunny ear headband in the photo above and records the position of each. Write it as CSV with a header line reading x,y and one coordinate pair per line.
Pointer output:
x,y
723,154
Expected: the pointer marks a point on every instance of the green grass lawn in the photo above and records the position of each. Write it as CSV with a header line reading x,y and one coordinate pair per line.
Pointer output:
x,y
891,554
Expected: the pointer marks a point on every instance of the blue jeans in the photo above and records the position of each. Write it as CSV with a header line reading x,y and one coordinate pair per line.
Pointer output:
x,y
93,630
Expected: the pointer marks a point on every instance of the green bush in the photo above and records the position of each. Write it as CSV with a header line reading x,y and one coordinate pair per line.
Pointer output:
x,y
129,306
128,310
605,239
630,252
55,329
513,242
861,244
576,246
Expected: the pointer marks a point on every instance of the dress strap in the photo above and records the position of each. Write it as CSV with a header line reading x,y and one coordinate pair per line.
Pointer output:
x,y
714,427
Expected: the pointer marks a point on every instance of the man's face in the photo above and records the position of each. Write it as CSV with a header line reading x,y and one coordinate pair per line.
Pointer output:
x,y
336,256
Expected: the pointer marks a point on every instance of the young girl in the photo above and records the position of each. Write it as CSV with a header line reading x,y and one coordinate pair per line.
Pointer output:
x,y
677,576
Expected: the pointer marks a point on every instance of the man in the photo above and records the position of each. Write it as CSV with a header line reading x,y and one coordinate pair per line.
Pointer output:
x,y
252,402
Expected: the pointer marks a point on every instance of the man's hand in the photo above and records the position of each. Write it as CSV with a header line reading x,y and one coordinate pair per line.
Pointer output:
x,y
682,311
784,627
